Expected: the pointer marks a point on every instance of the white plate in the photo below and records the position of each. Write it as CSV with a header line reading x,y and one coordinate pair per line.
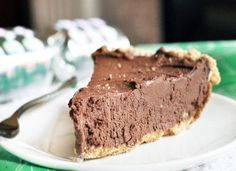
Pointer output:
x,y
46,138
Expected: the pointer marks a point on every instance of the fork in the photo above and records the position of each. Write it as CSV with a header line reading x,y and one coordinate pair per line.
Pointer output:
x,y
9,127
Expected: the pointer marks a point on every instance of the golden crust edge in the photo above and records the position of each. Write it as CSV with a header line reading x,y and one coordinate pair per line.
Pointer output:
x,y
192,54
195,55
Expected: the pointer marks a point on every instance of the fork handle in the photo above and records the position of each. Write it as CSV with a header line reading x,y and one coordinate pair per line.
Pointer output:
x,y
39,100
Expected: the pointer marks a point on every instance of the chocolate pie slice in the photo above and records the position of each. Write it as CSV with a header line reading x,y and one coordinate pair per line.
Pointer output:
x,y
136,97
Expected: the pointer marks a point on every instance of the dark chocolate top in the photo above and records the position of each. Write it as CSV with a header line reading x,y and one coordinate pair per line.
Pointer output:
x,y
121,71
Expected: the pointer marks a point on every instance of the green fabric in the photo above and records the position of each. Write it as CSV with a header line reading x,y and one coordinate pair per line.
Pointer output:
x,y
223,51
21,77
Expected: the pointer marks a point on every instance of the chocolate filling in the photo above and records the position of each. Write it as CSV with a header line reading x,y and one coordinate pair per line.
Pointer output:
x,y
131,96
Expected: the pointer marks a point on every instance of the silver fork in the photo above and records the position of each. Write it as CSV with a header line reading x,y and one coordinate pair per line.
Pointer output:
x,y
9,128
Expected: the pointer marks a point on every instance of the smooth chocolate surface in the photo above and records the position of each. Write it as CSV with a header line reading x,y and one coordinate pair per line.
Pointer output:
x,y
130,96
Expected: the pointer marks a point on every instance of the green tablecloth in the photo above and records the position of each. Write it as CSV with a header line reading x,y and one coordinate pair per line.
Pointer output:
x,y
223,51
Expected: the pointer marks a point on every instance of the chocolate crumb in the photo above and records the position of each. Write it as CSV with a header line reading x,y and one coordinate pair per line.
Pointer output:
x,y
153,68
119,65
110,77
